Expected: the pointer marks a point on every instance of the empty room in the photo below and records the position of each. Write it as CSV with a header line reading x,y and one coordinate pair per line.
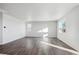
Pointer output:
x,y
39,28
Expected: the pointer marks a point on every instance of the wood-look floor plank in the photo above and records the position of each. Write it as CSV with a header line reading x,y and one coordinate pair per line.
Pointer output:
x,y
33,46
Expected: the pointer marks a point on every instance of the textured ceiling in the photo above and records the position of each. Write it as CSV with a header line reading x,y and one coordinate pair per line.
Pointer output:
x,y
37,11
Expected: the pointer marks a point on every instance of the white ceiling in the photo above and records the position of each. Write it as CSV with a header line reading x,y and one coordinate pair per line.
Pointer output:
x,y
38,11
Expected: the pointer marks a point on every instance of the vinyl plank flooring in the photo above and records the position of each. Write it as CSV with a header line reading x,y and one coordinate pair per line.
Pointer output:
x,y
33,46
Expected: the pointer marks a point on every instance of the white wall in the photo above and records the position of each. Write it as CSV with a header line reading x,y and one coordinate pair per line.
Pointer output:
x,y
37,26
71,36
15,28
0,27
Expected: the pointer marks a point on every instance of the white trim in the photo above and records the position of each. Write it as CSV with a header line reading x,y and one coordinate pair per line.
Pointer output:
x,y
62,48
71,45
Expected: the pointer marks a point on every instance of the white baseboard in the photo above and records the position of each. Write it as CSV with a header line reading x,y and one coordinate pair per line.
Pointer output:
x,y
11,41
1,44
71,45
